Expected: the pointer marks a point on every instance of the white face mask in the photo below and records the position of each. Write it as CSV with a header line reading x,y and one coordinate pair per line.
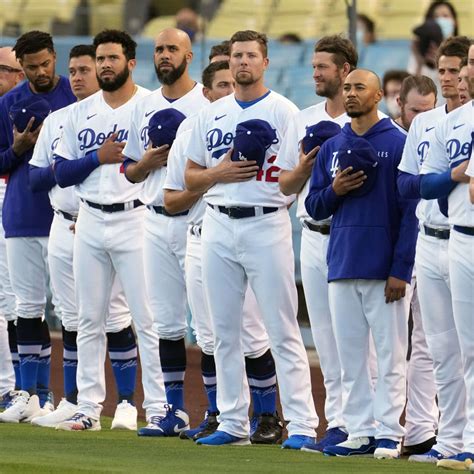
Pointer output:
x,y
392,108
446,25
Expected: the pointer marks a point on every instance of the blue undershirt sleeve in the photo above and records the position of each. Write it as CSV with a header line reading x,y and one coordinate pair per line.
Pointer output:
x,y
435,186
409,185
71,172
41,179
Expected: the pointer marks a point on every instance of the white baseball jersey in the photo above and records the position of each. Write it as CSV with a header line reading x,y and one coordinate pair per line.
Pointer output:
x,y
63,199
138,140
177,160
288,158
213,136
87,126
452,144
419,138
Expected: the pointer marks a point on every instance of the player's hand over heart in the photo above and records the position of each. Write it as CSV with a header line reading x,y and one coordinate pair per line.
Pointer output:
x,y
307,160
394,289
345,181
23,141
111,151
155,158
228,171
458,173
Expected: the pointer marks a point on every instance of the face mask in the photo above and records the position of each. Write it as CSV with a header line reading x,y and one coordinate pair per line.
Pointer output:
x,y
446,25
392,107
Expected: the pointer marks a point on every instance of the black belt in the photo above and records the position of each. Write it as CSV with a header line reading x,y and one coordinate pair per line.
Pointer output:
x,y
324,229
66,215
120,206
464,230
242,212
438,233
164,212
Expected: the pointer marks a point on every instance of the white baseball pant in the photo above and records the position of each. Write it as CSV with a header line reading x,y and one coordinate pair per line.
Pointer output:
x,y
258,250
434,295
107,244
358,308
7,297
254,336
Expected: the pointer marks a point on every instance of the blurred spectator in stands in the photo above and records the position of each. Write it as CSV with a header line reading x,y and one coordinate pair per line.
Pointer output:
x,y
11,72
188,21
220,52
392,83
445,15
365,30
290,38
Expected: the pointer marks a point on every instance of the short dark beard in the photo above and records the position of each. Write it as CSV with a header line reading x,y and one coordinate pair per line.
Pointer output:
x,y
116,83
245,82
46,88
355,114
168,78
332,88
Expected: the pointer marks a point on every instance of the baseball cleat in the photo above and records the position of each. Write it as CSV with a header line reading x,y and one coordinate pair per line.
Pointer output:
x,y
48,406
297,441
432,456
253,424
171,424
221,438
79,422
387,449
332,437
125,417
63,412
420,448
269,430
208,426
361,446
459,462
23,408
6,398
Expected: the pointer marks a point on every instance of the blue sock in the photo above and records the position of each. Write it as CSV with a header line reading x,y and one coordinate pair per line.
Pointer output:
x,y
208,369
29,348
12,342
262,382
44,365
123,356
70,365
173,364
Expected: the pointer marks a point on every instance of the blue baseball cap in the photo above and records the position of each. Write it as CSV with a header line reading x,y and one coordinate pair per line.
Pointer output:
x,y
22,111
163,126
318,133
361,155
252,140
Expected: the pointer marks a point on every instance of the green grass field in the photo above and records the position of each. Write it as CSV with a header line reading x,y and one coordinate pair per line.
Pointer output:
x,y
28,449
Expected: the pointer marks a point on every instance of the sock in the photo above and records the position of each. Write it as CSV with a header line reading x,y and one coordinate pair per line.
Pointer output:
x,y
70,365
262,382
44,365
123,356
29,349
208,370
173,364
14,352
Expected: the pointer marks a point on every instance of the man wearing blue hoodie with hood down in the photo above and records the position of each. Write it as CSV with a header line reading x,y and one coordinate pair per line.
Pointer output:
x,y
370,260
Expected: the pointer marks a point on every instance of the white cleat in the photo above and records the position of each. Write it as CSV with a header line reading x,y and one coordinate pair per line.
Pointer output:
x,y
79,422
125,417
63,412
32,410
23,408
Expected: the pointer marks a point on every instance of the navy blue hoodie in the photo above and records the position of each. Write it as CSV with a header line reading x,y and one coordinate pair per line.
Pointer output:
x,y
372,236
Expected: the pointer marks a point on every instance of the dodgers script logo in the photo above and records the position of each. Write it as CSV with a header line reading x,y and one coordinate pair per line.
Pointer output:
x,y
457,150
144,136
422,150
55,142
216,138
89,138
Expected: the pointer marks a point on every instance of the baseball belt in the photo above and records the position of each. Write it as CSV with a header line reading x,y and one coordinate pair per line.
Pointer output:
x,y
117,207
324,229
237,212
464,230
161,210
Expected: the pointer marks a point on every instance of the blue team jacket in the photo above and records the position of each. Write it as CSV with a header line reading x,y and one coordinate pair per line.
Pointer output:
x,y
25,213
372,236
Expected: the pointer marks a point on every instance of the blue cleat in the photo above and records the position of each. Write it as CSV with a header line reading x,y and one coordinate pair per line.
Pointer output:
x,y
171,424
221,438
362,446
332,437
432,456
387,449
297,441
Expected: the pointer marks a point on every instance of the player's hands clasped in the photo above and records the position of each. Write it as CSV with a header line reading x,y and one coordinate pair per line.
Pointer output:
x,y
111,151
228,171
24,141
394,289
345,181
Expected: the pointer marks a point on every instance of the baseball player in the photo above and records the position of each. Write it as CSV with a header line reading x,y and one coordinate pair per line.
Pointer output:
x,y
246,237
121,339
27,219
10,75
108,238
431,263
165,233
334,57
370,261
260,368
443,176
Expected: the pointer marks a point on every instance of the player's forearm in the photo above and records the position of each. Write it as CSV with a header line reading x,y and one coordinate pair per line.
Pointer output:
x,y
200,180
180,201
9,161
409,185
435,186
71,172
471,189
135,171
292,182
41,179
322,204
